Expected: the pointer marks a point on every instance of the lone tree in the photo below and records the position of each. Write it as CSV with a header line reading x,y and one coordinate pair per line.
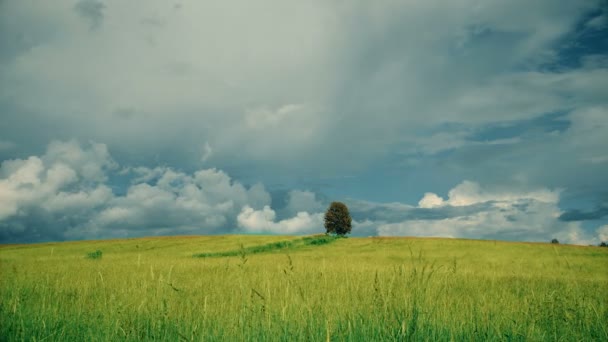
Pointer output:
x,y
555,241
337,219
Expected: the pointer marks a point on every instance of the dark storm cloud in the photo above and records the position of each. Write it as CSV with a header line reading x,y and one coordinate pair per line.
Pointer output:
x,y
581,215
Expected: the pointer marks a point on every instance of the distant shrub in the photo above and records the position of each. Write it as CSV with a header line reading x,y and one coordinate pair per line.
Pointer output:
x,y
603,244
555,241
94,255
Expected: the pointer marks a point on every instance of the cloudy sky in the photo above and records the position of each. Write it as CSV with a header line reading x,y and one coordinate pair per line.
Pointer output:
x,y
469,118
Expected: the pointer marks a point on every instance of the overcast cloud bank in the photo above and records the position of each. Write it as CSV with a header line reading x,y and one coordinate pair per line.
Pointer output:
x,y
379,101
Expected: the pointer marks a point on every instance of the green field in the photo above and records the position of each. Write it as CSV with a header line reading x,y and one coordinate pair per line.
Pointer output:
x,y
261,288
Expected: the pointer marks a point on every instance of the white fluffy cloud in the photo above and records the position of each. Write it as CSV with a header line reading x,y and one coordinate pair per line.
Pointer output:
x,y
44,197
66,194
474,212
468,193
66,178
263,221
430,200
171,202
303,214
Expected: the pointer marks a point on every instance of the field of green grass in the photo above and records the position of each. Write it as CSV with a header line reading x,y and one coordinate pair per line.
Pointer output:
x,y
274,288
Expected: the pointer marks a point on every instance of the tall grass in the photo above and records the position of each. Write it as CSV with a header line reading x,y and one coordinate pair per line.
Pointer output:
x,y
349,290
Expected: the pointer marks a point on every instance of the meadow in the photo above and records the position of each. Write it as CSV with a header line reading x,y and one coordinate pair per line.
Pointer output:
x,y
279,288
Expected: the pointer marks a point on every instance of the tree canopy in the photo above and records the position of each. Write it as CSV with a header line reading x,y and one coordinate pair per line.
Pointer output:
x,y
337,219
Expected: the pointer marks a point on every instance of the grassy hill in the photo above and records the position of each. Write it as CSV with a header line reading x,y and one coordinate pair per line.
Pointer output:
x,y
254,288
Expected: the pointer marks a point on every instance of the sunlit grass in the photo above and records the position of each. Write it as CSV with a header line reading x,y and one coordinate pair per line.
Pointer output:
x,y
355,289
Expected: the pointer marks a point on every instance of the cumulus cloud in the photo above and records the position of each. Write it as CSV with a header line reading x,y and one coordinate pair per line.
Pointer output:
x,y
469,193
41,197
472,211
66,177
430,200
171,202
65,194
91,164
263,221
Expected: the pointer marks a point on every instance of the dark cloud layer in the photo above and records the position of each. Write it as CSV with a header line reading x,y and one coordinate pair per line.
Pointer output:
x,y
579,215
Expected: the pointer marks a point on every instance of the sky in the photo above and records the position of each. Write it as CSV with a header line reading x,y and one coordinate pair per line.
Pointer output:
x,y
463,119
